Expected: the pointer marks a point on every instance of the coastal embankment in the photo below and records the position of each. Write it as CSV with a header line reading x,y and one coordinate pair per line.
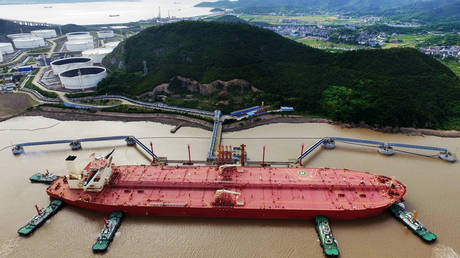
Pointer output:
x,y
174,119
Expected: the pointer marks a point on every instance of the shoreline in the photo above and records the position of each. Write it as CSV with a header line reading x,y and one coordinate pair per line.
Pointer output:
x,y
173,119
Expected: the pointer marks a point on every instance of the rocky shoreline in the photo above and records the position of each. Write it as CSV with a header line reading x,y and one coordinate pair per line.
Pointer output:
x,y
173,119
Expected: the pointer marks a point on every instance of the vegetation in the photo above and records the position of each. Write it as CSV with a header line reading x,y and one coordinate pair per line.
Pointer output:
x,y
450,39
327,44
403,88
101,102
47,94
135,109
426,12
303,6
453,65
303,19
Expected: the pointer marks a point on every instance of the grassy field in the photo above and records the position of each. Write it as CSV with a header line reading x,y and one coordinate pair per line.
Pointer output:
x,y
407,40
454,66
310,19
328,45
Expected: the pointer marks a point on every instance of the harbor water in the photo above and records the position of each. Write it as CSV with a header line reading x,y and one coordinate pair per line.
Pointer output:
x,y
432,188
107,12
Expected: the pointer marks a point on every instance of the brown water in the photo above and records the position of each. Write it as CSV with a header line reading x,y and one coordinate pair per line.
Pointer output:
x,y
433,189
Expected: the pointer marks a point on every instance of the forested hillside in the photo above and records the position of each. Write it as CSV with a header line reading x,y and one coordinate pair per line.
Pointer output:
x,y
396,87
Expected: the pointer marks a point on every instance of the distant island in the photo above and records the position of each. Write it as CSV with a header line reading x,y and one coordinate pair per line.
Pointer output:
x,y
216,65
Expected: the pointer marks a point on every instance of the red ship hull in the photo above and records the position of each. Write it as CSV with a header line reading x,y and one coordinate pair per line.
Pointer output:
x,y
267,193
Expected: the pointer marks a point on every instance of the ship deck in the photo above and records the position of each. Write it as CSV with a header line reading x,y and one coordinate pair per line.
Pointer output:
x,y
294,189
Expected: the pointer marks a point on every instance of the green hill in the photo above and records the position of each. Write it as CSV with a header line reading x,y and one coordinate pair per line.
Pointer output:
x,y
396,87
267,6
439,11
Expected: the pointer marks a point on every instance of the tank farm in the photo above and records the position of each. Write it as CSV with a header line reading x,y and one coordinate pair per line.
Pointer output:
x,y
228,184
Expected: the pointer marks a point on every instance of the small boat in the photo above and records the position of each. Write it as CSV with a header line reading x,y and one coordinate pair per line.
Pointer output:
x,y
114,15
17,150
45,178
43,215
326,238
409,220
108,232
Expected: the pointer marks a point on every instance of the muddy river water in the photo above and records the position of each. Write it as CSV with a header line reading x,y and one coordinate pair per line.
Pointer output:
x,y
433,189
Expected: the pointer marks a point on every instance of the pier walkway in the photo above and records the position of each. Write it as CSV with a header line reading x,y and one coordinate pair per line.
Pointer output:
x,y
216,136
383,148
75,144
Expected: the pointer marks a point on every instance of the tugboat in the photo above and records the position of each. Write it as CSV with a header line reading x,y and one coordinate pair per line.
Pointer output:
x,y
45,178
409,220
107,234
43,215
326,238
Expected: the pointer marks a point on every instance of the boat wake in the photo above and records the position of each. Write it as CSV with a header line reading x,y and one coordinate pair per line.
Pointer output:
x,y
442,251
8,246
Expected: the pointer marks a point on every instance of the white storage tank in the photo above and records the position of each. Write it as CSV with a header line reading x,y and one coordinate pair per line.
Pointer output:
x,y
112,44
104,34
65,64
6,48
79,45
96,54
82,35
44,33
82,78
19,35
30,42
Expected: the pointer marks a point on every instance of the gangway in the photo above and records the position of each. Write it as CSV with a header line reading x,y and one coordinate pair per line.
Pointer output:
x,y
216,135
76,144
383,148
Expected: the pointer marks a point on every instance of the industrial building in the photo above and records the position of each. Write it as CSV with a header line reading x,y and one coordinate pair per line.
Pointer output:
x,y
44,33
97,54
29,42
104,34
79,45
71,63
6,48
82,78
82,35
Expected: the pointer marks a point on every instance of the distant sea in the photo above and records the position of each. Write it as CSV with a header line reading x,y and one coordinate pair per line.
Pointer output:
x,y
86,12
14,2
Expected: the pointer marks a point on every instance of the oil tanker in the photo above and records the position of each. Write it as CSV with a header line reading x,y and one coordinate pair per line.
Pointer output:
x,y
229,191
